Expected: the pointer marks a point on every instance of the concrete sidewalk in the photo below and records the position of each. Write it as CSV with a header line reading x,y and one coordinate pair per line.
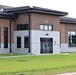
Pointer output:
x,y
74,73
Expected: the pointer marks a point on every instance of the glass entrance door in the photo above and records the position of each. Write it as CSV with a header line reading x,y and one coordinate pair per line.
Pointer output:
x,y
46,45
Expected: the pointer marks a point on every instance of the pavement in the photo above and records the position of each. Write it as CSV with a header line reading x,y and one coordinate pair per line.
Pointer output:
x,y
74,73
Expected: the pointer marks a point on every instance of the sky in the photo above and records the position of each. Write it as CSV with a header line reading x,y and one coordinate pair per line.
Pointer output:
x,y
61,5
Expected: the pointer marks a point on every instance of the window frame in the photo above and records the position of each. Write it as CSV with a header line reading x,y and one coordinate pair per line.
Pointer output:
x,y
26,45
71,38
18,46
21,26
42,27
47,27
6,37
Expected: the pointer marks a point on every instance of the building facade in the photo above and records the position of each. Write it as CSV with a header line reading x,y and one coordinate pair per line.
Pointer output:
x,y
36,31
68,32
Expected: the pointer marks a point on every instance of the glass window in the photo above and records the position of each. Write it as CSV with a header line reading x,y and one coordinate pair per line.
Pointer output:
x,y
22,27
5,37
26,42
72,38
50,27
46,27
72,32
18,42
41,27
69,32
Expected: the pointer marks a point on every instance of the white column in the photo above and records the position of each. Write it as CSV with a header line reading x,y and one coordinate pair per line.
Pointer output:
x,y
22,42
2,46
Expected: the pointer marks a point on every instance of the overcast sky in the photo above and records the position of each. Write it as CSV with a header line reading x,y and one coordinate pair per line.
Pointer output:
x,y
62,5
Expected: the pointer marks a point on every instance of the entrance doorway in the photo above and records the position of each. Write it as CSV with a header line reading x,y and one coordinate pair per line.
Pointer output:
x,y
46,45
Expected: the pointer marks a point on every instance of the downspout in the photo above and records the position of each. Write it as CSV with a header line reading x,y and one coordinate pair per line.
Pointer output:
x,y
29,30
14,17
10,36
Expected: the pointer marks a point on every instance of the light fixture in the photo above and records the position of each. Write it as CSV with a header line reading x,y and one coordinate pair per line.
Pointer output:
x,y
46,21
47,34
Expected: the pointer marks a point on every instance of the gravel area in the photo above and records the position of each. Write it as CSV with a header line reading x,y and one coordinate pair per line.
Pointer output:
x,y
74,73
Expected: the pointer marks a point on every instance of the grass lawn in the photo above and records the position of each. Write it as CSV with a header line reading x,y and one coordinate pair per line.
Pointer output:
x,y
37,65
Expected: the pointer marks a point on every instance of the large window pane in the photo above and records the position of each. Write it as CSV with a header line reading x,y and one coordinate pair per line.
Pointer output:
x,y
50,28
22,27
72,32
18,42
46,27
41,27
71,38
5,37
26,42
69,32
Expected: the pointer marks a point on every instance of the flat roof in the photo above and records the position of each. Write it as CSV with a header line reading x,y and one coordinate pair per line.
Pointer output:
x,y
68,20
35,9
7,15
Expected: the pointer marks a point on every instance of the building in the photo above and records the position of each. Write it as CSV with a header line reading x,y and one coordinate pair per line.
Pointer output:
x,y
68,34
36,30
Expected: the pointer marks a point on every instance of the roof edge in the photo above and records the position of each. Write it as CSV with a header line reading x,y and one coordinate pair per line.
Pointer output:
x,y
36,10
67,20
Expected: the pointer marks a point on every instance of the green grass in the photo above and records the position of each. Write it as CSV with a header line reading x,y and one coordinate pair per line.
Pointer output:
x,y
37,65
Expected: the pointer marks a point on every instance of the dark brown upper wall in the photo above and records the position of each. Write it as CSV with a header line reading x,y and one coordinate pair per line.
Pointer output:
x,y
37,19
64,31
22,19
68,27
5,23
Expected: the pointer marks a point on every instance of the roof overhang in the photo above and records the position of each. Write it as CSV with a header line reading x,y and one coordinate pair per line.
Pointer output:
x,y
7,15
34,9
67,20
47,12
